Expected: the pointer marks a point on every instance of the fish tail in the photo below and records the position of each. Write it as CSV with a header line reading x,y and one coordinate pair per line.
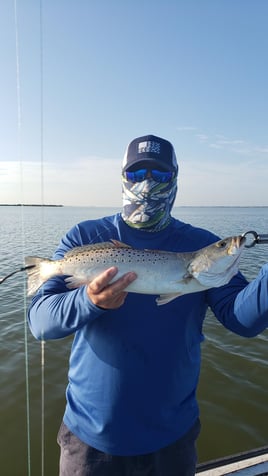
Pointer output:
x,y
35,278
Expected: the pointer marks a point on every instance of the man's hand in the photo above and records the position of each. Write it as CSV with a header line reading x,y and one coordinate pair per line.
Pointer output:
x,y
109,296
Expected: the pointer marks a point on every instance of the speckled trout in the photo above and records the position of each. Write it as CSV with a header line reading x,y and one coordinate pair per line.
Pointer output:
x,y
164,273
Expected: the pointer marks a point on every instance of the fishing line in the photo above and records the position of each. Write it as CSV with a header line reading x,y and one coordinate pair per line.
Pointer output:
x,y
20,160
26,351
42,202
42,343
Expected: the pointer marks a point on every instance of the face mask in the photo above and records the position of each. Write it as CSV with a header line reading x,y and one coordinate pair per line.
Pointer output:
x,y
147,204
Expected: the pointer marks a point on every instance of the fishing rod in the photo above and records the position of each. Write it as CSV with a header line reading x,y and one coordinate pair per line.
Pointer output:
x,y
256,238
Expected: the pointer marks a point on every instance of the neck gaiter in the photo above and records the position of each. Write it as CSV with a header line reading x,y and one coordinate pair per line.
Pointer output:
x,y
147,205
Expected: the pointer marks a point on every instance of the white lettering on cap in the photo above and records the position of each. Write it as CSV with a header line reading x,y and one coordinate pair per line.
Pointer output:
x,y
149,146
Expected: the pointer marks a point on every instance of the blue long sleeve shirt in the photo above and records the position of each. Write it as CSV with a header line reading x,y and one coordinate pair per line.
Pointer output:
x,y
134,371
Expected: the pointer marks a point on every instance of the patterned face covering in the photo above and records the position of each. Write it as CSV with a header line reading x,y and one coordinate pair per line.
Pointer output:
x,y
147,204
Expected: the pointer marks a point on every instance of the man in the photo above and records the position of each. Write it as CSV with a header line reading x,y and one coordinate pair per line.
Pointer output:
x,y
134,366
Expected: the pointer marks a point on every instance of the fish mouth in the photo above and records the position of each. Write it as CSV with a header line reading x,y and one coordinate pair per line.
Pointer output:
x,y
240,240
237,246
238,243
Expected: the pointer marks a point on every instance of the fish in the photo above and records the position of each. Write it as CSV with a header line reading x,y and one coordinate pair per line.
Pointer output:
x,y
164,273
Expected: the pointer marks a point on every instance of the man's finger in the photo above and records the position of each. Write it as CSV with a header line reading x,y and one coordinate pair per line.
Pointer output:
x,y
101,281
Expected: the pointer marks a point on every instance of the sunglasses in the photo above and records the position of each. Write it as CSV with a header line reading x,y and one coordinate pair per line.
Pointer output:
x,y
141,174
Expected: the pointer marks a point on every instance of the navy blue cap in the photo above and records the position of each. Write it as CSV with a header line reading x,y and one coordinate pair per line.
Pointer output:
x,y
152,150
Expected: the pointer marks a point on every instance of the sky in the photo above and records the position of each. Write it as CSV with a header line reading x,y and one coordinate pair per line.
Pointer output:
x,y
81,78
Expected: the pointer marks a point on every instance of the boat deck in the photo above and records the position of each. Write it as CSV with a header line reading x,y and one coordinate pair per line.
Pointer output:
x,y
250,463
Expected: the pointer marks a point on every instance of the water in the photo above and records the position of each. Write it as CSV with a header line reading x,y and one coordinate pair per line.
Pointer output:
x,y
233,390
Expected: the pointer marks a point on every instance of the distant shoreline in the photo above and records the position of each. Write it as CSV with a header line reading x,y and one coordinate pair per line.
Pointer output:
x,y
27,205
116,207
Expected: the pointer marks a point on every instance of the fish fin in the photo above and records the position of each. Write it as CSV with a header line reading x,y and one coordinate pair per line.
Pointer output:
x,y
120,244
165,298
35,280
75,282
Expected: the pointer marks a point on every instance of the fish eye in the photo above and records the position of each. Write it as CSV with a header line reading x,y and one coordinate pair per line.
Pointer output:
x,y
222,244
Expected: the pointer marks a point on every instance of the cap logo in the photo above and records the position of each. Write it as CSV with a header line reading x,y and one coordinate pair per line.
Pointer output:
x,y
149,146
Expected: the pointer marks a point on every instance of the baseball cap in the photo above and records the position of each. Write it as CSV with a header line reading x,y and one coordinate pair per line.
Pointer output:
x,y
151,150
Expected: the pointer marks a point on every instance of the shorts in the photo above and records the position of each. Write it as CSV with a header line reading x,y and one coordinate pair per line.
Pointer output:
x,y
78,458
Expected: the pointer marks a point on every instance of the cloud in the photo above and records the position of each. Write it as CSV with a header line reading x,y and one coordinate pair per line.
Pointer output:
x,y
217,183
205,179
230,141
215,146
231,145
221,142
87,181
262,150
202,137
9,172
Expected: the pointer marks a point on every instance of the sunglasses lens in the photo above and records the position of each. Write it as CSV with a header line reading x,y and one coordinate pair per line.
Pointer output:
x,y
161,177
136,176
141,174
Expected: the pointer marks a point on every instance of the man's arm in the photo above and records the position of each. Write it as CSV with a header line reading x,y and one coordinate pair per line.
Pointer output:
x,y
240,306
56,312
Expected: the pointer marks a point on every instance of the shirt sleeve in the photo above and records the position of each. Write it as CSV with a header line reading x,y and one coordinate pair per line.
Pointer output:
x,y
251,304
56,311
240,306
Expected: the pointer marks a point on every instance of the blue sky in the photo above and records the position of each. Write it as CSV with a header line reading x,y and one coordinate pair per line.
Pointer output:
x,y
192,71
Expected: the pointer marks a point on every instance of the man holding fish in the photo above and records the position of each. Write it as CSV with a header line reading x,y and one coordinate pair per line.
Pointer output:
x,y
134,366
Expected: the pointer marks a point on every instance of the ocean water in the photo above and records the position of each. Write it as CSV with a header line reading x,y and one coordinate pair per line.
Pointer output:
x,y
233,389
